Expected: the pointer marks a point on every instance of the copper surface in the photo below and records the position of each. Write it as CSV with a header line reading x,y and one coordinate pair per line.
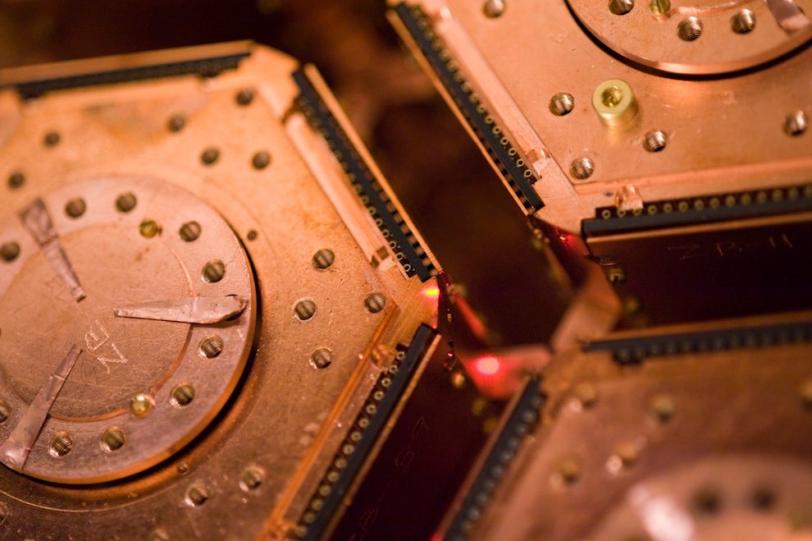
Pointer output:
x,y
265,224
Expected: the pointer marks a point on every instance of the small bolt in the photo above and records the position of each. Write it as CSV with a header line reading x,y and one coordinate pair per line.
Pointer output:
x,y
562,104
261,160
305,309
140,405
743,22
209,156
16,180
182,395
196,495
211,347
655,141
321,358
61,444
689,29
51,139
251,478
75,207
621,7
176,123
244,97
190,231
112,439
625,456
126,202
796,123
213,271
493,8
662,408
149,229
5,411
323,259
9,251
660,7
252,234
582,168
587,394
374,303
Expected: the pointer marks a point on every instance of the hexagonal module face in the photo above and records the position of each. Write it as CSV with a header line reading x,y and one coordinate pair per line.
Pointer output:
x,y
211,301
671,137
694,430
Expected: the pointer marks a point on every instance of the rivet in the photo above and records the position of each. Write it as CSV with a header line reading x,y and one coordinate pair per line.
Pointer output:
x,y
493,8
51,139
16,180
689,29
176,123
582,168
211,346
374,303
75,207
743,22
9,251
252,234
621,7
321,358
126,202
304,309
209,156
261,160
244,97
562,104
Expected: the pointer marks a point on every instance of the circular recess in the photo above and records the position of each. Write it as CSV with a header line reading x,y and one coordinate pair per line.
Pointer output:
x,y
690,36
144,383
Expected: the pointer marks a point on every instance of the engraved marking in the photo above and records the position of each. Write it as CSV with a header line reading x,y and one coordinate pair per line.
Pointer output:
x,y
199,310
95,338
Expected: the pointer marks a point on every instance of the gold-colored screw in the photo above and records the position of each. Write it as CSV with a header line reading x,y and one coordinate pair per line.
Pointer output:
x,y
140,405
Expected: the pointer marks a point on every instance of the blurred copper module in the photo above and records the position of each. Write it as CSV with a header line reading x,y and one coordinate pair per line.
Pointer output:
x,y
665,140
698,431
213,307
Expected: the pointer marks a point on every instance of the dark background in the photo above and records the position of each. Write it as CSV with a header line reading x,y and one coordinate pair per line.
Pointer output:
x,y
468,218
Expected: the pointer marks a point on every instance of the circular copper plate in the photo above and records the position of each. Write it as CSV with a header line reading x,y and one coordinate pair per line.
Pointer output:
x,y
664,41
121,258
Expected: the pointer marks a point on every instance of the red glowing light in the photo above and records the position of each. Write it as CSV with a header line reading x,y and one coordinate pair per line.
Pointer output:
x,y
488,366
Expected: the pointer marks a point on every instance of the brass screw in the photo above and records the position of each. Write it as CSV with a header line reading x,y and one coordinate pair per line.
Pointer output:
x,y
587,394
261,160
323,259
567,472
663,407
305,309
190,231
743,22
149,229
182,395
375,302
660,7
61,444
112,439
16,180
209,156
211,347
493,8
140,405
614,102
562,104
75,207
126,202
251,478
582,168
321,358
214,271
9,251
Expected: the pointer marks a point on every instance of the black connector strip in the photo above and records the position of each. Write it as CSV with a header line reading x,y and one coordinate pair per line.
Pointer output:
x,y
522,418
699,210
520,177
634,350
206,67
410,254
365,431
